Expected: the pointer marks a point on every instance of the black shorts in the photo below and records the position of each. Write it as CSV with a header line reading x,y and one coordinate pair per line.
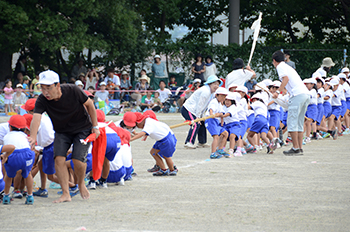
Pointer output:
x,y
63,142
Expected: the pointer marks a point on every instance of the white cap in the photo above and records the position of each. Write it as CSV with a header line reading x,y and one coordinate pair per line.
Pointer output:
x,y
242,89
232,86
124,73
262,85
342,75
48,77
102,83
197,80
233,96
346,69
157,56
277,84
267,82
310,81
221,90
321,79
316,75
19,86
78,82
259,96
334,82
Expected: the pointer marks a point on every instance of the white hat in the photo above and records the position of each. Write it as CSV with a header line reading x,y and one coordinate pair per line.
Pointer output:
x,y
232,86
48,77
262,85
197,80
327,62
267,82
310,81
321,79
277,84
346,69
342,75
335,77
242,89
124,73
233,96
334,82
316,75
19,86
157,56
78,82
259,96
221,90
143,77
102,83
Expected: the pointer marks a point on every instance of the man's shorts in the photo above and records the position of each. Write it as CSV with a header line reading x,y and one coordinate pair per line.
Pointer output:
x,y
22,159
113,146
166,146
63,142
297,106
48,160
214,127
260,125
275,117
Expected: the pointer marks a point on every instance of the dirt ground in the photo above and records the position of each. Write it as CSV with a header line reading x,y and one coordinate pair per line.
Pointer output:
x,y
257,192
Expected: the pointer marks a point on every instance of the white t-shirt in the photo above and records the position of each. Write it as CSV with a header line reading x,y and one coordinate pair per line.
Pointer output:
x,y
346,89
1,176
233,110
321,94
155,129
4,129
216,107
18,139
199,101
336,99
342,92
242,109
209,70
164,94
295,85
328,93
46,134
313,97
259,108
115,80
238,77
322,72
274,105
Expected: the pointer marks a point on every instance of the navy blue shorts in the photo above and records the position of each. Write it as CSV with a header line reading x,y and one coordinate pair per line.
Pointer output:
x,y
336,111
233,128
311,112
48,160
214,127
344,108
327,107
113,146
275,117
260,125
22,159
320,113
166,146
244,127
250,120
88,162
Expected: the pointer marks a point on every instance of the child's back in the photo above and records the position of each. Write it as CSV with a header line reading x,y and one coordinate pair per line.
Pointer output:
x,y
156,130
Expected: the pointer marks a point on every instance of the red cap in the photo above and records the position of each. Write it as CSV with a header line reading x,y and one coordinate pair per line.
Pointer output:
x,y
100,116
88,93
140,117
30,104
28,118
18,121
129,119
150,114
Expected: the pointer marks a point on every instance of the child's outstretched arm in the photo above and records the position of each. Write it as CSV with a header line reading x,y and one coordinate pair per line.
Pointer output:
x,y
139,135
7,151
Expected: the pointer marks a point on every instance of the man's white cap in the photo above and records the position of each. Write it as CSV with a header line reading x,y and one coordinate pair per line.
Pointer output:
x,y
342,75
48,77
346,69
242,89
233,96
157,56
102,83
277,84
310,81
267,82
221,90
334,81
78,82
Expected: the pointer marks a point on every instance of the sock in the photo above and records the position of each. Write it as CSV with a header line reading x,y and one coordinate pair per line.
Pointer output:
x,y
295,149
281,133
164,170
314,134
30,195
103,179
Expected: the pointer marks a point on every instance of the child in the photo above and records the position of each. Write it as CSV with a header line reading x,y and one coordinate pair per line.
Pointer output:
x,y
274,111
110,87
321,125
21,159
102,94
347,97
336,108
8,96
19,98
159,131
345,113
6,152
26,80
260,124
34,86
215,125
157,103
232,124
172,83
311,112
147,100
327,106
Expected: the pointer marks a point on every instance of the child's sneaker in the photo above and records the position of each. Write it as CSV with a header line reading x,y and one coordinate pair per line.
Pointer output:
x,y
334,134
103,184
249,148
326,135
288,141
346,131
273,144
270,148
174,172
254,151
230,152
222,152
161,173
54,185
29,200
155,168
41,193
6,200
243,151
318,136
17,194
237,153
91,185
190,145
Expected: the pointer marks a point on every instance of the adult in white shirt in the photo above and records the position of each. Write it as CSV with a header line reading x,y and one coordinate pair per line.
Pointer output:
x,y
163,92
327,64
195,107
210,68
297,104
239,75
115,79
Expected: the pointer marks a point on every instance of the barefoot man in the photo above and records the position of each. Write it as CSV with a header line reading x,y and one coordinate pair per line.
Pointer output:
x,y
73,117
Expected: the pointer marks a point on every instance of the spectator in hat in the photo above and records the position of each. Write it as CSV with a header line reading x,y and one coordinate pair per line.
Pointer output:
x,y
116,81
19,98
327,64
125,85
158,68
143,72
80,84
287,60
198,68
239,75
140,89
102,94
210,67
78,69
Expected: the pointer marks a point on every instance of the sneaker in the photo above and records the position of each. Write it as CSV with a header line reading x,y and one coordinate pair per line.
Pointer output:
x,y
292,152
249,148
237,153
213,155
121,182
91,185
161,173
54,185
340,134
222,152
243,151
6,200
174,172
288,141
73,191
273,144
155,168
307,140
41,193
102,184
29,200
190,146
346,131
334,134
278,146
17,194
254,151
202,145
270,148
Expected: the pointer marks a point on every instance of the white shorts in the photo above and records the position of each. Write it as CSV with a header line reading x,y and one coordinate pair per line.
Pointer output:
x,y
297,107
8,101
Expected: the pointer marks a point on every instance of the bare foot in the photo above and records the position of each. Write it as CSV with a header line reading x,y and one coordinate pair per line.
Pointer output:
x,y
84,192
63,198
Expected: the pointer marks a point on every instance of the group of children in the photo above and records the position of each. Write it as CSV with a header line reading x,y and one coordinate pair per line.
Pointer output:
x,y
264,119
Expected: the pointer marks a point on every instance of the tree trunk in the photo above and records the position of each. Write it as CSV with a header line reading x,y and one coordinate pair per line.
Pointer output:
x,y
5,64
